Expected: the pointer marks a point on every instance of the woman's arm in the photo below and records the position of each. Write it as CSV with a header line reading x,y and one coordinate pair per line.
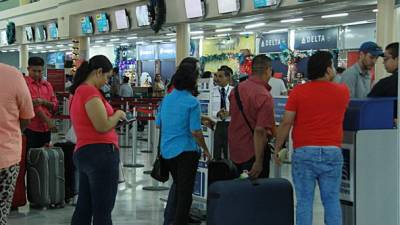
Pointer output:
x,y
98,115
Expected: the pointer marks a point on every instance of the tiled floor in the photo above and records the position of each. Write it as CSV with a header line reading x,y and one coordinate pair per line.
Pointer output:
x,y
134,206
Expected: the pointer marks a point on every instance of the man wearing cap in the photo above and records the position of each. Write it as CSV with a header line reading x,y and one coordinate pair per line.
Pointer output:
x,y
357,77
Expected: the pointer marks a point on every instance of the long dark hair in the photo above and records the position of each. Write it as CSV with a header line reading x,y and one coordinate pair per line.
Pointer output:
x,y
83,72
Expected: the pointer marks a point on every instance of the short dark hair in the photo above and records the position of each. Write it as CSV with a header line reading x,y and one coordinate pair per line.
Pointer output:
x,y
206,74
260,64
393,48
126,79
185,77
226,69
340,69
116,70
318,64
35,61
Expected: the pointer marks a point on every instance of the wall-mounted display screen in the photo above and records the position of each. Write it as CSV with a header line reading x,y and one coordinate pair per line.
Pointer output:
x,y
29,34
228,6
122,19
194,8
40,33
52,30
57,59
265,3
102,22
142,15
86,25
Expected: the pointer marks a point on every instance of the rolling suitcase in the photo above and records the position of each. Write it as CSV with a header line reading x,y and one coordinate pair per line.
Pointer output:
x,y
223,169
245,202
46,182
69,169
20,191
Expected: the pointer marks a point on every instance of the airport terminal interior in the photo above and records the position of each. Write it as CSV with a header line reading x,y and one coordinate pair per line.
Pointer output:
x,y
151,51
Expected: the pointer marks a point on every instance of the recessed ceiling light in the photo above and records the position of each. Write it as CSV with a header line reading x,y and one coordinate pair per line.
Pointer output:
x,y
276,31
52,50
124,44
132,38
39,47
114,39
173,40
223,30
48,47
197,37
222,35
197,32
171,34
334,15
99,41
70,45
60,46
292,20
256,25
375,10
12,50
4,51
110,45
157,41
35,52
43,51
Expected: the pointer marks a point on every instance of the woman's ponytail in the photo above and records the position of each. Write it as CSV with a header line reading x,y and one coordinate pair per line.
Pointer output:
x,y
80,76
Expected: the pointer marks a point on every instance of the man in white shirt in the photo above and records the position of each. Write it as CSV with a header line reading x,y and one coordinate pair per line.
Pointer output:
x,y
278,87
125,89
220,113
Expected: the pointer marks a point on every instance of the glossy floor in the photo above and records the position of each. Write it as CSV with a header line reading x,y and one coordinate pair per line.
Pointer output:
x,y
134,206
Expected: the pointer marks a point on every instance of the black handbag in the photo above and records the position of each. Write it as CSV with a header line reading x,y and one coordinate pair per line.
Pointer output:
x,y
160,171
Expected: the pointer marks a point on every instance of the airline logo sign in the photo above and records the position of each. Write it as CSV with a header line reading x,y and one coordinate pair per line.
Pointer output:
x,y
316,39
272,42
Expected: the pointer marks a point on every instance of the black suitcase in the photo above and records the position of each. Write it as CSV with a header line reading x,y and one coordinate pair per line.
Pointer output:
x,y
245,202
69,169
223,169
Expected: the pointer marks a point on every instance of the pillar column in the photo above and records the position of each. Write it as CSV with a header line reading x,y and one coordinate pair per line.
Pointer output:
x,y
182,42
384,31
84,46
23,58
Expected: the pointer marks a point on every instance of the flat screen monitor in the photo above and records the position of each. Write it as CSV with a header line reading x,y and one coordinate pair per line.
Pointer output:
x,y
194,8
40,33
122,19
228,6
29,34
52,29
102,23
265,3
142,15
56,59
86,25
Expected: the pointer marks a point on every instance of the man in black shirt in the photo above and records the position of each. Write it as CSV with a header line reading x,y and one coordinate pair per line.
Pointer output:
x,y
387,87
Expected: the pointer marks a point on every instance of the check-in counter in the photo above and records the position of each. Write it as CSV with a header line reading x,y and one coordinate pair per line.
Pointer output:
x,y
370,178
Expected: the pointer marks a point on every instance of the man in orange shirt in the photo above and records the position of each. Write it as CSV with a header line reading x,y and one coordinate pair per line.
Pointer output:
x,y
16,110
44,101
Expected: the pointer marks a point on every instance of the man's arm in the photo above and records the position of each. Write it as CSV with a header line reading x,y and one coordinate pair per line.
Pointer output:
x,y
260,140
283,131
24,123
350,80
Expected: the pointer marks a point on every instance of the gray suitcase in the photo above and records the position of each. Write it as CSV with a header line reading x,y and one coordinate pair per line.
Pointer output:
x,y
46,182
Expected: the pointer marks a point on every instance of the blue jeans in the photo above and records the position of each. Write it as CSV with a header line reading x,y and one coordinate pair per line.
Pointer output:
x,y
323,165
98,166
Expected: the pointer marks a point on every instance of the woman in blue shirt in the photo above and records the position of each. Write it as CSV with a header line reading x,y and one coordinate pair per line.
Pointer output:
x,y
181,136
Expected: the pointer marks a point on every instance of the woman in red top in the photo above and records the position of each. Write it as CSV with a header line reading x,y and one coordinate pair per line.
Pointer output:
x,y
96,154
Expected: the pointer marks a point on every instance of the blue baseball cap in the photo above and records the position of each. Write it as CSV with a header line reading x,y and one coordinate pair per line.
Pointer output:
x,y
371,48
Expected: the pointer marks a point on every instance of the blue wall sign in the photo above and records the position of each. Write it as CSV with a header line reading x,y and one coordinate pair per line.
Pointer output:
x,y
271,42
316,39
147,52
167,51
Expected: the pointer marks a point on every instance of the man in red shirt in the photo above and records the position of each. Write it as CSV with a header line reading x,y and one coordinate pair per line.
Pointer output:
x,y
316,110
44,101
247,141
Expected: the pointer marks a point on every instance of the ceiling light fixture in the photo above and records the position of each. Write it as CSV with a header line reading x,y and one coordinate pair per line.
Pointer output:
x,y
114,39
39,47
43,51
132,38
375,10
173,40
292,20
140,43
222,35
96,46
60,46
35,52
197,32
99,41
246,33
124,44
276,31
171,34
223,30
12,50
110,45
48,47
357,23
197,37
334,15
157,41
256,25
